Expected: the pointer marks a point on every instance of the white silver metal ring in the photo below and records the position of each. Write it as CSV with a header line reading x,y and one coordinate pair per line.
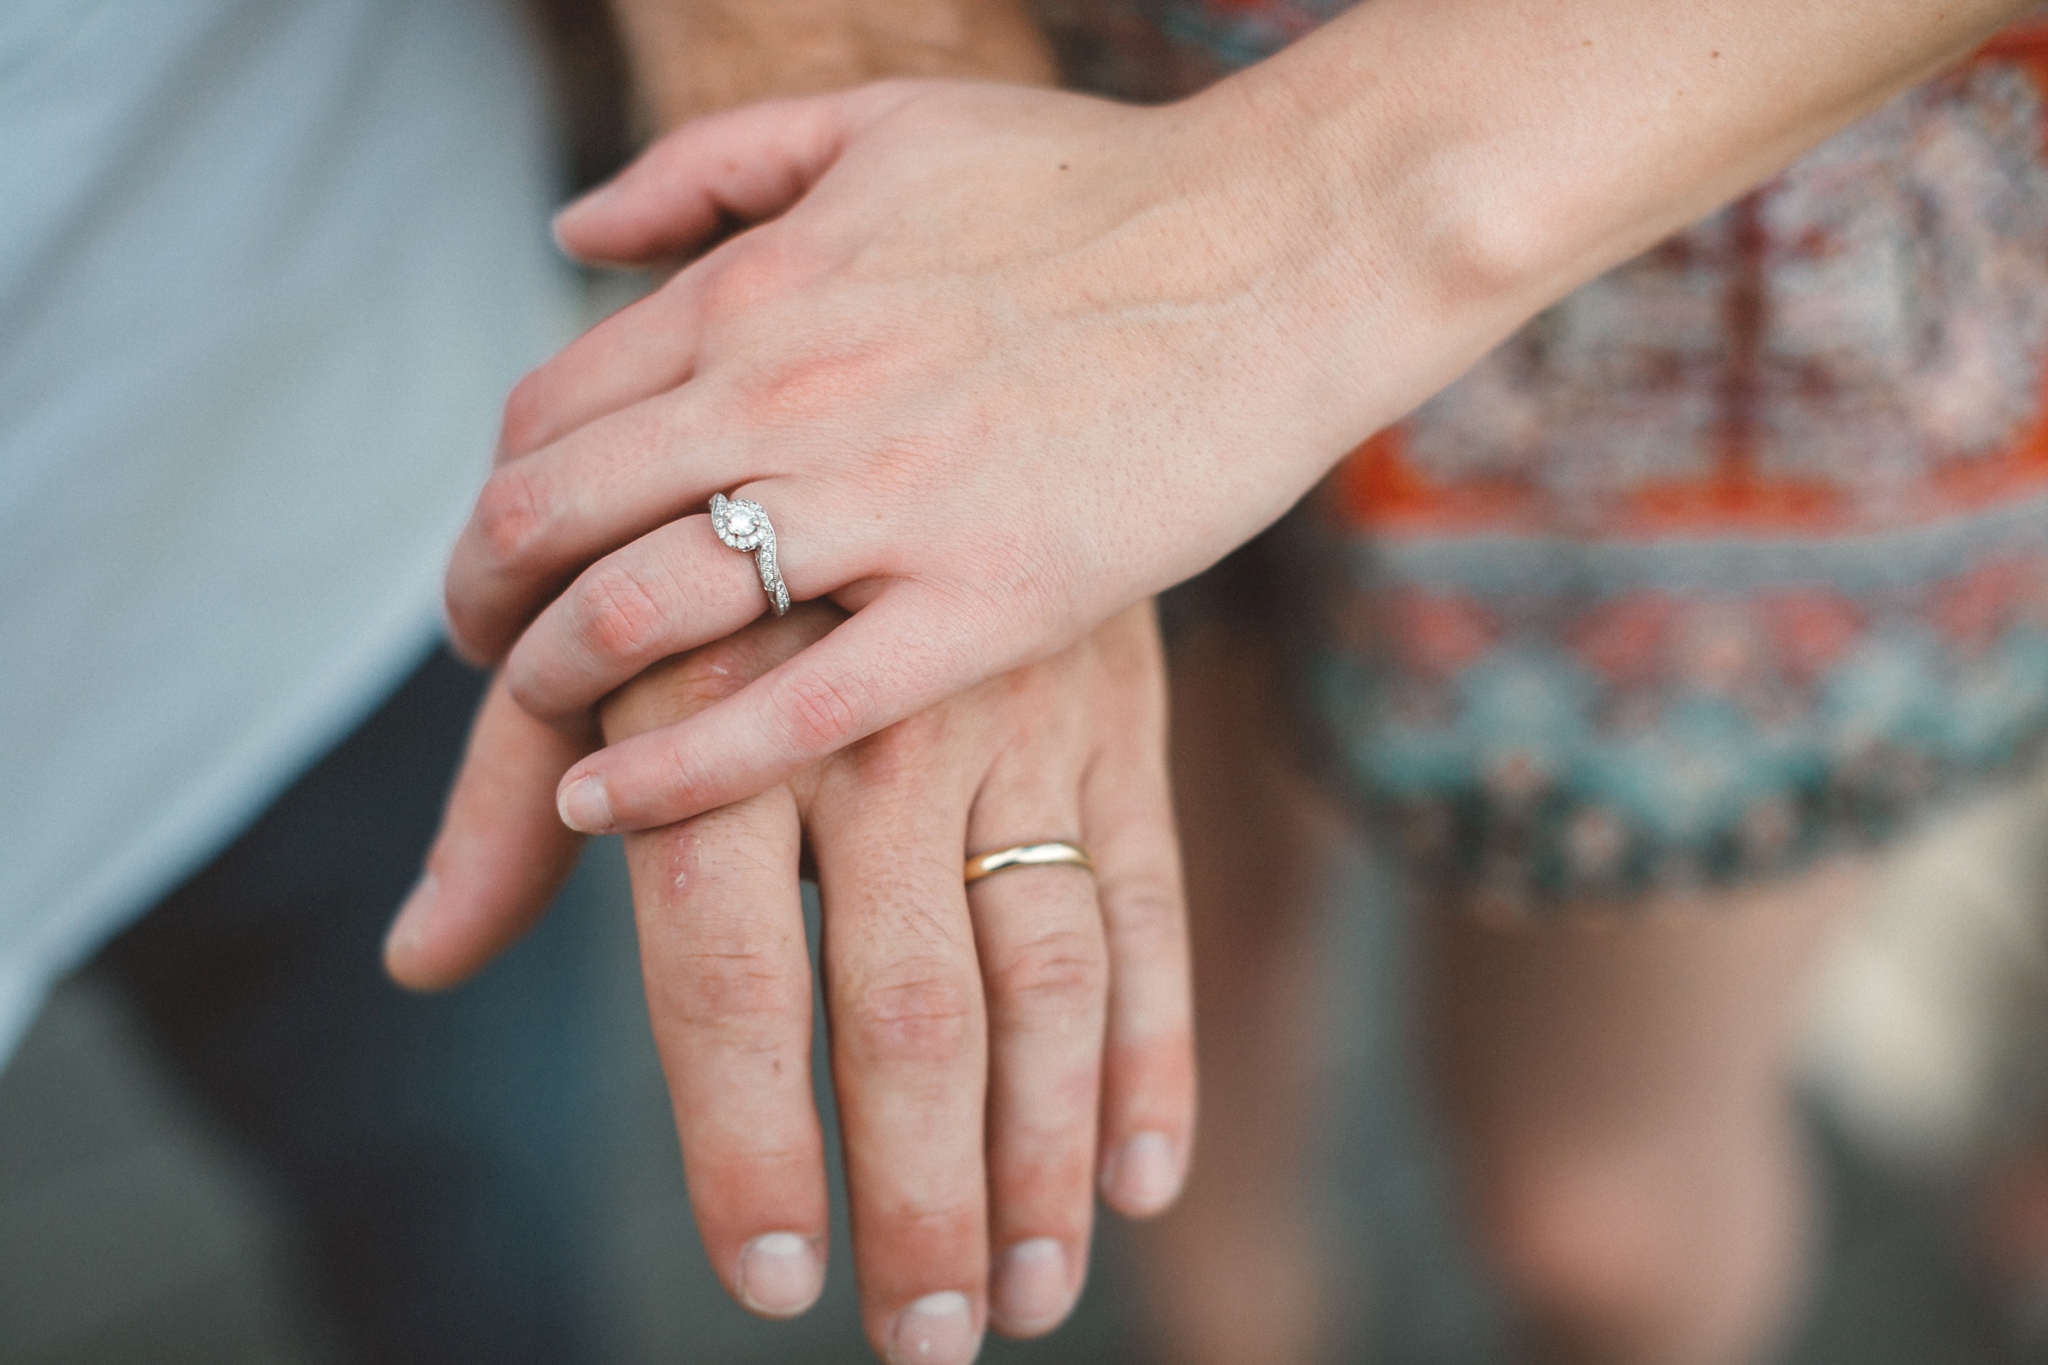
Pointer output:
x,y
743,524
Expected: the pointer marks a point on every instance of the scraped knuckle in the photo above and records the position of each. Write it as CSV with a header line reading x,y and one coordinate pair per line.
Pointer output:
x,y
925,1018
511,516
714,672
621,613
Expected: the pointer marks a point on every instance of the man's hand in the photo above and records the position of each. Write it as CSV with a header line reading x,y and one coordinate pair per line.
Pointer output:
x,y
999,1052
691,57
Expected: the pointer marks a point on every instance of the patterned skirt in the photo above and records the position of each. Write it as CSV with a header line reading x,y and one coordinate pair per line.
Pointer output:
x,y
1735,557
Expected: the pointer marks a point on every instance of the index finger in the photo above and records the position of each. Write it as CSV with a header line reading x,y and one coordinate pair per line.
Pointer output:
x,y
890,660
728,976
728,982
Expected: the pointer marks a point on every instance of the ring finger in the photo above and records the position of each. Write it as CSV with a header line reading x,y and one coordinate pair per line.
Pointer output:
x,y
674,588
909,1044
1046,974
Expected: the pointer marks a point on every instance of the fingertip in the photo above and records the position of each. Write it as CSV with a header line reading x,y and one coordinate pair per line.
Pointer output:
x,y
560,228
405,960
780,1275
463,642
938,1329
584,803
1143,1175
575,219
1031,1288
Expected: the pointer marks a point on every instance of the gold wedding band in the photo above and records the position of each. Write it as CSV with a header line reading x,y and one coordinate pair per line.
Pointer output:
x,y
1053,853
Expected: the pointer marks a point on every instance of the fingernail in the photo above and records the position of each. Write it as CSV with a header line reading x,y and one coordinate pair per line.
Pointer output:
x,y
403,938
1142,1176
781,1274
585,806
936,1330
1031,1291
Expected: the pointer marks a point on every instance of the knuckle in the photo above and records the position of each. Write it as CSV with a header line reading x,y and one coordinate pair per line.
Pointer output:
x,y
753,273
930,1223
739,990
898,758
511,515
713,673
472,628
743,281
823,712
621,613
1048,1170
1055,976
720,969
1145,912
923,1018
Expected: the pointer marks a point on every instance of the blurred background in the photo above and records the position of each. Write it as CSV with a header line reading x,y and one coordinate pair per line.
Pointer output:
x,y
133,1234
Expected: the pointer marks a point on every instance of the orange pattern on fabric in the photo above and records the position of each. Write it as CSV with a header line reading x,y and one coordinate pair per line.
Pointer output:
x,y
1381,489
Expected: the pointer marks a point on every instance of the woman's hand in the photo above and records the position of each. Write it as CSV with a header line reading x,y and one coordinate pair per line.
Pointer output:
x,y
1006,361
1011,360
999,1051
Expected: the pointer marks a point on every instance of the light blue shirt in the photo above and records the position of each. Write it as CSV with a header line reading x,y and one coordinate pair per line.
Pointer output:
x,y
267,268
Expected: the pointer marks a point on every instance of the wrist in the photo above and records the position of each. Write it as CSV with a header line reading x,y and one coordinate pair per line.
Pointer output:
x,y
1373,241
1450,167
691,57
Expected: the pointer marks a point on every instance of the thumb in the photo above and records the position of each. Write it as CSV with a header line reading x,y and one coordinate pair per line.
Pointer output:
x,y
747,164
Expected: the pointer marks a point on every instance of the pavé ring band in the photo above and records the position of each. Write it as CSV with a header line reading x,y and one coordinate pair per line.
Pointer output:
x,y
1052,853
743,524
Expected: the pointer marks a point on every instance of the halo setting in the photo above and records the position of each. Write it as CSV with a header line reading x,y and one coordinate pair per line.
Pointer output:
x,y
743,524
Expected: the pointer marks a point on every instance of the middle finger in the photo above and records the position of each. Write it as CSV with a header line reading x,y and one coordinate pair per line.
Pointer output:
x,y
908,1046
729,998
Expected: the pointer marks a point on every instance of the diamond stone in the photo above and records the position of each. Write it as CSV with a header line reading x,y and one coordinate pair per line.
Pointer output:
x,y
741,522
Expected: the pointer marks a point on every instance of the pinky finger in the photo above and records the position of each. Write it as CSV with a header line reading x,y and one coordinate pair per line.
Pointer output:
x,y
1148,1101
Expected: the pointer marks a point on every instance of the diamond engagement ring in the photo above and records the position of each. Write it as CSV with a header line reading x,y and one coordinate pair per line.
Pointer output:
x,y
743,525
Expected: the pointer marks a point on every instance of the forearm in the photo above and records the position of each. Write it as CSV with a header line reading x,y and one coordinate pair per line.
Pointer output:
x,y
693,56
1503,151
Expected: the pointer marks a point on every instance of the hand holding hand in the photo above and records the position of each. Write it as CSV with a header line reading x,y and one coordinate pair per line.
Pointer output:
x,y
1007,362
